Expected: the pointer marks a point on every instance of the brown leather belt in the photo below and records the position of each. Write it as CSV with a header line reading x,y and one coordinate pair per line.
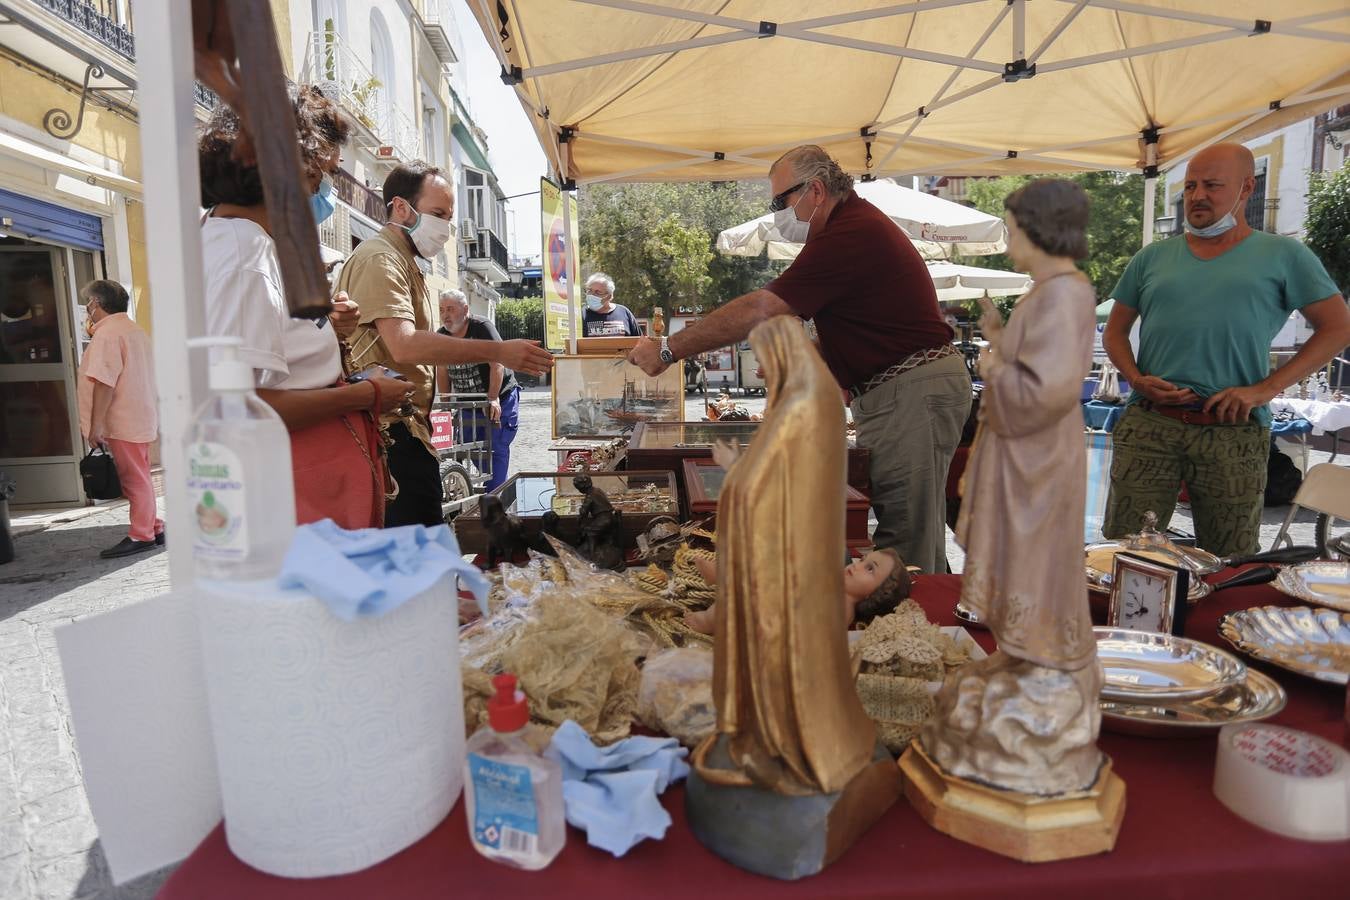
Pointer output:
x,y
1184,415
913,361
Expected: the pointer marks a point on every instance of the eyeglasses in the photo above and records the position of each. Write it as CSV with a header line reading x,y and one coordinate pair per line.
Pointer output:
x,y
779,201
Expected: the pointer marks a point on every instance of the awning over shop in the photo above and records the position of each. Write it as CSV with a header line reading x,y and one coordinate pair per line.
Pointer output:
x,y
620,90
13,146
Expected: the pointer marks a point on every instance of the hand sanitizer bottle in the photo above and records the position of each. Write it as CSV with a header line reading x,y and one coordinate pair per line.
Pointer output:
x,y
512,795
238,475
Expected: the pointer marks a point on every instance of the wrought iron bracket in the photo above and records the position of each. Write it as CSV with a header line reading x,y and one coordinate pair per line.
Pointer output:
x,y
57,121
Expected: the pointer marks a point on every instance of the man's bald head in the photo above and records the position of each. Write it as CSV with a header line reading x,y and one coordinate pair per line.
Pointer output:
x,y
1219,179
1234,156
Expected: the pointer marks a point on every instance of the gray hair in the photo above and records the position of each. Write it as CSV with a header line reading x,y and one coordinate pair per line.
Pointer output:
x,y
811,163
604,279
454,295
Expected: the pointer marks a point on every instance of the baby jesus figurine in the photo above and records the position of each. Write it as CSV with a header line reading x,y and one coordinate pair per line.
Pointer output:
x,y
873,586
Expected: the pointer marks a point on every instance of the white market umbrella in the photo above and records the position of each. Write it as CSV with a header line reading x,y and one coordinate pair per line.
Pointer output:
x,y
956,283
939,228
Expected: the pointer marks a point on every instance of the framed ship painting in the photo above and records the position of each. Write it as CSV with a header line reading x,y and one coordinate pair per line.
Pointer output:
x,y
604,396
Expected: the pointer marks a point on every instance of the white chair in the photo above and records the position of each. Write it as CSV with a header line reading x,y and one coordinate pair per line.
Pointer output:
x,y
1325,489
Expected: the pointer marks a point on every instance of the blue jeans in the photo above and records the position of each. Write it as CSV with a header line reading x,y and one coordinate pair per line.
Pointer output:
x,y
503,433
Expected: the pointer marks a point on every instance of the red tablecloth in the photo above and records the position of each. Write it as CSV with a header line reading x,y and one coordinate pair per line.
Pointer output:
x,y
1177,841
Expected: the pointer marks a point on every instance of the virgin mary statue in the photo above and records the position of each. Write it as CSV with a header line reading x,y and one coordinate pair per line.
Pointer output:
x,y
788,717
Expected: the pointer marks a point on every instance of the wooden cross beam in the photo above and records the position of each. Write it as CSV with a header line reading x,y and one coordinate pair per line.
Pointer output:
x,y
236,55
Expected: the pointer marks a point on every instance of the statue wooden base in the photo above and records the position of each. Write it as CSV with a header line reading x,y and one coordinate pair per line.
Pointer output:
x,y
1023,826
783,836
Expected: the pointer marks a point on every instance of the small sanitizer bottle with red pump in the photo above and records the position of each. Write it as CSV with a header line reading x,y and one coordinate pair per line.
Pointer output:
x,y
512,795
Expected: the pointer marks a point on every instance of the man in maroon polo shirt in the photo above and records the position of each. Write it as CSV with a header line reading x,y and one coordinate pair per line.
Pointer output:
x,y
880,332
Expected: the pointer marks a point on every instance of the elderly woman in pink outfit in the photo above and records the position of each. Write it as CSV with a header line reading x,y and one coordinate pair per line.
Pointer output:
x,y
116,392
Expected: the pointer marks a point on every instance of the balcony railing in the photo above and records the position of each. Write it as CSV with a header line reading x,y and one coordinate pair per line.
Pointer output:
x,y
489,247
440,24
98,20
358,196
335,67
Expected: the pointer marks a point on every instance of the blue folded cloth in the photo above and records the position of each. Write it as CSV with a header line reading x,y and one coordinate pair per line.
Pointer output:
x,y
371,571
610,792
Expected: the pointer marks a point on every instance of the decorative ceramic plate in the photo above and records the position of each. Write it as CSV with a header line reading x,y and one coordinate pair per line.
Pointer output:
x,y
1312,642
1143,666
1321,583
1255,698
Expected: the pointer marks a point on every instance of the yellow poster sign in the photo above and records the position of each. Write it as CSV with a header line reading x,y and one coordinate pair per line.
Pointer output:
x,y
557,264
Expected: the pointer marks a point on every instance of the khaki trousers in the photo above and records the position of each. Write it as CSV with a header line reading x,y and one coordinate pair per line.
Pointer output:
x,y
910,426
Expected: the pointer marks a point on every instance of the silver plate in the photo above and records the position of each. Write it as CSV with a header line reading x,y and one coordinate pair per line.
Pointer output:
x,y
1312,642
1100,560
1257,697
1294,581
1143,666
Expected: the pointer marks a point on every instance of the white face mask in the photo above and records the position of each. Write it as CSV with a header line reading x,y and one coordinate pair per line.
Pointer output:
x,y
1214,229
793,229
429,234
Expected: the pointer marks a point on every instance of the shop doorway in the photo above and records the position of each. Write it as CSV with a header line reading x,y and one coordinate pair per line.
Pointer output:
x,y
40,442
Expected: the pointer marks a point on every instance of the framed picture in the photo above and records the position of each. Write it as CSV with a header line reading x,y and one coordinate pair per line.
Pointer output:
x,y
605,396
1147,595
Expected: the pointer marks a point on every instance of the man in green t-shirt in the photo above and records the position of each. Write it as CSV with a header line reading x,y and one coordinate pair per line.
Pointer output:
x,y
1209,304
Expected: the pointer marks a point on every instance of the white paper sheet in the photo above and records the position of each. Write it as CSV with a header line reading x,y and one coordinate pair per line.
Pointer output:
x,y
138,706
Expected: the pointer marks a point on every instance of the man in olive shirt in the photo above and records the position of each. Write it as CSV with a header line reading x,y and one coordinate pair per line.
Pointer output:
x,y
396,329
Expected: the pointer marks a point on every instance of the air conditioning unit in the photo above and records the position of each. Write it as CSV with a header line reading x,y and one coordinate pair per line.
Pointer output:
x,y
468,231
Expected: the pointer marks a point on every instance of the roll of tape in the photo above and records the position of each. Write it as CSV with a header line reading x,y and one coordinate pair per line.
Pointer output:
x,y
1284,780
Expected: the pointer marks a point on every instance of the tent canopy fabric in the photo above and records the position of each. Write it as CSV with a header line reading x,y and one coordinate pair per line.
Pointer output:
x,y
939,228
955,282
623,90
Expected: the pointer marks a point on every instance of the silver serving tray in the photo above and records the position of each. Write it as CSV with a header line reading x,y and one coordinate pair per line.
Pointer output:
x,y
1312,642
1257,697
1100,560
1293,580
1143,666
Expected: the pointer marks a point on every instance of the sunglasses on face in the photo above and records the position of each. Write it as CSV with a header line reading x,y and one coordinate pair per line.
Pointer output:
x,y
779,201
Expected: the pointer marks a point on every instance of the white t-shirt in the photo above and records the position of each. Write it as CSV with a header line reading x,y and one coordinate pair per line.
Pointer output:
x,y
244,299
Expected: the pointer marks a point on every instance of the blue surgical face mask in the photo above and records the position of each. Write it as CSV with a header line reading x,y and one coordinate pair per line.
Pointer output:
x,y
593,302
321,202
1213,230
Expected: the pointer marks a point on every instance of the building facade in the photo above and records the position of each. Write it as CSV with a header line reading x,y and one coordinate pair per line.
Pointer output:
x,y
70,211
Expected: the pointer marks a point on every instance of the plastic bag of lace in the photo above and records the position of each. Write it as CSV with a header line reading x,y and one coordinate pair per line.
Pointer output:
x,y
675,694
572,661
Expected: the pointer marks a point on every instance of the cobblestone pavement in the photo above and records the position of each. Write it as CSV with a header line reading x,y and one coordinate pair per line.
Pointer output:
x,y
48,841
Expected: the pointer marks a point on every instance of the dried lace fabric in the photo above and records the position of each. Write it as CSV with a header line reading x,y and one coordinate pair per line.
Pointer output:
x,y
897,656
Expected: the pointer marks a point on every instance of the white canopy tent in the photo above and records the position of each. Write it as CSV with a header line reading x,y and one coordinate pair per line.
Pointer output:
x,y
624,90
939,228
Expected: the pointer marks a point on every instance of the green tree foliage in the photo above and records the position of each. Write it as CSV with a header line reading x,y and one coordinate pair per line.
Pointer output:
x,y
1327,226
523,318
656,242
1115,225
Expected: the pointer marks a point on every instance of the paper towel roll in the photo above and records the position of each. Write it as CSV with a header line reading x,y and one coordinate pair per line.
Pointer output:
x,y
338,743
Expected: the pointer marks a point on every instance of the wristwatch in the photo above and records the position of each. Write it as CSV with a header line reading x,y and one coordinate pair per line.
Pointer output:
x,y
666,356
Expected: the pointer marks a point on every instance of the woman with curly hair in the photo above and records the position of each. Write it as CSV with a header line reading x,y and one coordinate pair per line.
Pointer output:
x,y
297,364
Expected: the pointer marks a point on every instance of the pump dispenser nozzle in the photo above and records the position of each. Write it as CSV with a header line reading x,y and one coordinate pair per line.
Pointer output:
x,y
508,710
227,371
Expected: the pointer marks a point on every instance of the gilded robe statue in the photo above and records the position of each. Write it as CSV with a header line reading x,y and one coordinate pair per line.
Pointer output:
x,y
1026,718
781,677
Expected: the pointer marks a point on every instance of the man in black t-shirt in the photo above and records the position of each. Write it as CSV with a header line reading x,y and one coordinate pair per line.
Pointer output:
x,y
492,379
604,317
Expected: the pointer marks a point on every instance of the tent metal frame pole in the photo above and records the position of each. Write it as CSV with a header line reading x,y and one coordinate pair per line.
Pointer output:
x,y
945,59
563,173
605,59
1079,62
687,15
946,85
1053,35
1301,97
1154,12
880,12
645,170
708,155
1019,29
173,244
494,41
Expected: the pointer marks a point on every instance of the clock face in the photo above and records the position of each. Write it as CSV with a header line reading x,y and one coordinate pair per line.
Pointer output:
x,y
1144,601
